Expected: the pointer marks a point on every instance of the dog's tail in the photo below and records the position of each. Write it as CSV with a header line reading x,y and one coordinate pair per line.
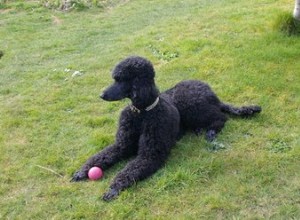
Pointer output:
x,y
243,111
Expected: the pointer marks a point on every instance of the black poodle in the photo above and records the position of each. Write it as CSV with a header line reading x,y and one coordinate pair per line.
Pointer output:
x,y
150,126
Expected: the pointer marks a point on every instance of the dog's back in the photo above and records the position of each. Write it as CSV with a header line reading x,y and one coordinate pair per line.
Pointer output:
x,y
200,108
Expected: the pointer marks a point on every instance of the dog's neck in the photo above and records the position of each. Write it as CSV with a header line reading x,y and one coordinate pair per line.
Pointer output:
x,y
145,98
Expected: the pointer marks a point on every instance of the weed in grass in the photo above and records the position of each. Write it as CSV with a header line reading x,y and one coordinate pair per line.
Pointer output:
x,y
78,5
279,146
215,146
166,55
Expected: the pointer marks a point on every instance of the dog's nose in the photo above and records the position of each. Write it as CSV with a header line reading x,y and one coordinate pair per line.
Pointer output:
x,y
102,96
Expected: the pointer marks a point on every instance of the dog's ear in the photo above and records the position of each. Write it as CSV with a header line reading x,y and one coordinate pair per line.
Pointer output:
x,y
142,88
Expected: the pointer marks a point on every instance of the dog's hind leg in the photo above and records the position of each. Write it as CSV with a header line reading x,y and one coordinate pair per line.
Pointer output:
x,y
214,129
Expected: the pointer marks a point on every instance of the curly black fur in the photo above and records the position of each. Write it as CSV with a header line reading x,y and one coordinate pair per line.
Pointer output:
x,y
200,109
150,134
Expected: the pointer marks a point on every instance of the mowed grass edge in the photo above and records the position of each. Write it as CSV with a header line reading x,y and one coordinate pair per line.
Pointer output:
x,y
52,122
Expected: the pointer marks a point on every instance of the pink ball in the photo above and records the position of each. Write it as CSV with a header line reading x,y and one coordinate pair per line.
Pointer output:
x,y
95,173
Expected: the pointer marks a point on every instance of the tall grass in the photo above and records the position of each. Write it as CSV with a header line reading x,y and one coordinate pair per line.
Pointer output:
x,y
286,24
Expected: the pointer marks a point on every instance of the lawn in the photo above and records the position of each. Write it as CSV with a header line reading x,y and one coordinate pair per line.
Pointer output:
x,y
56,63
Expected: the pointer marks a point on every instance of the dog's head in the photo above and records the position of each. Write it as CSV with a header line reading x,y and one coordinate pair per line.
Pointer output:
x,y
131,75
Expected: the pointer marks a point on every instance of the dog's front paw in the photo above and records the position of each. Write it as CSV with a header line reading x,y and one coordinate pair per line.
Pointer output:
x,y
110,195
79,176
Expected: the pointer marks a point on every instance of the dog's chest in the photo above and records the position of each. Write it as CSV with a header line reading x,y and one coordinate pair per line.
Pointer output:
x,y
140,120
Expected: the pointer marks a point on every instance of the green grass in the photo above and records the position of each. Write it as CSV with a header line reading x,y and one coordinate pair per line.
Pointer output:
x,y
51,122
